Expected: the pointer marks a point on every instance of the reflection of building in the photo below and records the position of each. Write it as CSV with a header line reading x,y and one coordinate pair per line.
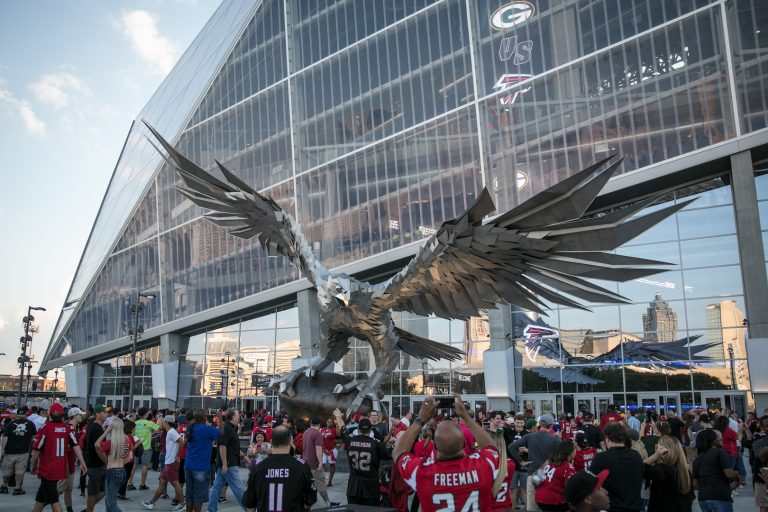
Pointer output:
x,y
725,327
659,321
476,338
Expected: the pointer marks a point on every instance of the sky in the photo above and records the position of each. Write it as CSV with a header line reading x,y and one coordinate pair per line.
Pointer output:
x,y
73,76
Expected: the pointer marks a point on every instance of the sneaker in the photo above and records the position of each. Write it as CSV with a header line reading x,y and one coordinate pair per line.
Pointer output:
x,y
148,504
143,487
3,490
222,499
82,494
17,492
174,502
179,507
164,497
131,487
124,498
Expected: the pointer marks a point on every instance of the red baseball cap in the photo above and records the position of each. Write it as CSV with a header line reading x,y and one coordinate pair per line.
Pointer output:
x,y
56,409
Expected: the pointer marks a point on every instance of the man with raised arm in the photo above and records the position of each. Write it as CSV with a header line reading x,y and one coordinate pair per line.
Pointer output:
x,y
453,480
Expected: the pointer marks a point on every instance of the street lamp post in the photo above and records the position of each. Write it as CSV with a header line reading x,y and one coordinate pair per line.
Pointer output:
x,y
135,333
55,384
25,341
733,372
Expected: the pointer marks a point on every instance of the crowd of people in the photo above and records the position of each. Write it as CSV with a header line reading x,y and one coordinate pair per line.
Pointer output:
x,y
441,458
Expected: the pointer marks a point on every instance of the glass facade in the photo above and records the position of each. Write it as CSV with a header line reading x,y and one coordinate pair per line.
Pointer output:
x,y
373,122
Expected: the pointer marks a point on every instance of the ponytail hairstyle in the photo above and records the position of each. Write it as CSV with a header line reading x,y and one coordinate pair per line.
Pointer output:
x,y
117,436
675,456
501,447
562,452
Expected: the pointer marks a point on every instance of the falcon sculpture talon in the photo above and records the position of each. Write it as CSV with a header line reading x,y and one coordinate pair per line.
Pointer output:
x,y
541,250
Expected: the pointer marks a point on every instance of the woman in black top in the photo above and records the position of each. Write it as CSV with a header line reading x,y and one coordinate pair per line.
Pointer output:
x,y
713,472
667,470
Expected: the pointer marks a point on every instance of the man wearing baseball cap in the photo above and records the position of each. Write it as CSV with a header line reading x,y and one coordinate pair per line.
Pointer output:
x,y
170,471
584,491
49,458
65,487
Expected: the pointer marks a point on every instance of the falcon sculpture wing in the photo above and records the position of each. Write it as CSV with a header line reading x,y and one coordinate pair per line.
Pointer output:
x,y
542,250
247,214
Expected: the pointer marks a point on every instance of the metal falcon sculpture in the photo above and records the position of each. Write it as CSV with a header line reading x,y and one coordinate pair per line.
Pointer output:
x,y
542,250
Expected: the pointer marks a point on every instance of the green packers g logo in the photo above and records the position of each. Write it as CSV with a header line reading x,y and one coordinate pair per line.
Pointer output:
x,y
509,15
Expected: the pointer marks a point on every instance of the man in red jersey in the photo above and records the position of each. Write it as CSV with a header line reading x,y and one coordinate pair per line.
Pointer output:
x,y
611,416
49,458
566,427
453,480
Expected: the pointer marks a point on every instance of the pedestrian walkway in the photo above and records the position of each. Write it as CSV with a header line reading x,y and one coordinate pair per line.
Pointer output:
x,y
743,501
8,502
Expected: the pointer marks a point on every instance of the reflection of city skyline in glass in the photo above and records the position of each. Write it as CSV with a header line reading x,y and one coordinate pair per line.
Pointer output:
x,y
659,321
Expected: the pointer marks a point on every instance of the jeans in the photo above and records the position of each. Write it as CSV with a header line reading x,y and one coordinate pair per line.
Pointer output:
x,y
114,479
232,479
715,506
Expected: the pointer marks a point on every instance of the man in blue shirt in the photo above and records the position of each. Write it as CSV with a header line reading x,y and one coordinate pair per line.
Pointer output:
x,y
199,438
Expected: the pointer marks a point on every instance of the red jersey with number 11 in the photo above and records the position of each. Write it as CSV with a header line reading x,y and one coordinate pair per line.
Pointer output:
x,y
53,441
462,484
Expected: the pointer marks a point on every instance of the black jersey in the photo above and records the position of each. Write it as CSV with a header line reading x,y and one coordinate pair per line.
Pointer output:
x,y
365,453
280,483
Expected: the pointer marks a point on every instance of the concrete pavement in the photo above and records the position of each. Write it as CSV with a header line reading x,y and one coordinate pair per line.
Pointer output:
x,y
743,501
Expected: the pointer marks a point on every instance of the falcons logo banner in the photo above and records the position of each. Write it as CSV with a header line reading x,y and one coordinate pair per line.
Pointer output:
x,y
533,336
509,80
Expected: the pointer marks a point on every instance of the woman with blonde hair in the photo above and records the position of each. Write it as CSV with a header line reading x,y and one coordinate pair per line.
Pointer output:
x,y
667,470
115,452
501,486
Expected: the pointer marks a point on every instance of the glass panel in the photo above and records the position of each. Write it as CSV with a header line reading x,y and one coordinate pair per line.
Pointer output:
x,y
708,252
321,28
257,60
541,129
712,282
390,82
706,222
393,194
747,20
260,322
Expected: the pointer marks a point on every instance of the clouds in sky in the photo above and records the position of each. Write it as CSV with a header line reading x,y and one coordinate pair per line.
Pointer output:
x,y
32,124
56,89
156,50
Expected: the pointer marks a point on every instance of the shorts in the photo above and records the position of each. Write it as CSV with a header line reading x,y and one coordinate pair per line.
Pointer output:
x,y
170,472
47,493
96,479
198,486
331,459
518,480
761,500
14,464
319,477
144,460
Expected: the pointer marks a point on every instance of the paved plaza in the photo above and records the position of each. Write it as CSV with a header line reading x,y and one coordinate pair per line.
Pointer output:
x,y
743,501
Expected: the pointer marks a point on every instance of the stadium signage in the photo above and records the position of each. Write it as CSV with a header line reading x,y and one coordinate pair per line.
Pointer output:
x,y
511,15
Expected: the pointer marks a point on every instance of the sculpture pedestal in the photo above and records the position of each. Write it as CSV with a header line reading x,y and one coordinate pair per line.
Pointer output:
x,y
314,397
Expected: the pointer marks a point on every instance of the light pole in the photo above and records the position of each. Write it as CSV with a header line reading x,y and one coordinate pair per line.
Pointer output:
x,y
137,309
55,384
733,372
25,341
225,381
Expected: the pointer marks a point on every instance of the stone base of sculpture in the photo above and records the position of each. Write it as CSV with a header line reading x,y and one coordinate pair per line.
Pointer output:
x,y
310,397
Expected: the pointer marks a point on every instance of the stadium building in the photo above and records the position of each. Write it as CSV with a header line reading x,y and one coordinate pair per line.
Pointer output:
x,y
374,121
